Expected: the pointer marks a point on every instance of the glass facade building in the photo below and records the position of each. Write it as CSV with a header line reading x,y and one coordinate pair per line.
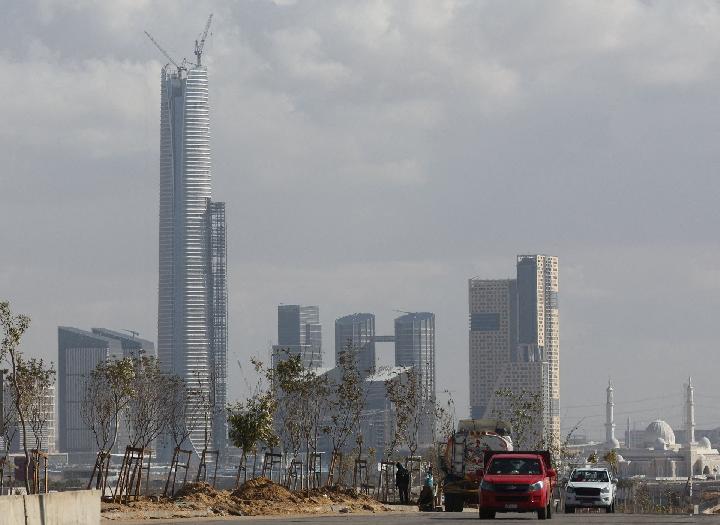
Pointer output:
x,y
299,333
357,333
415,346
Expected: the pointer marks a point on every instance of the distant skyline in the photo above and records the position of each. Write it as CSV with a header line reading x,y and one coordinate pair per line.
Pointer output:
x,y
365,147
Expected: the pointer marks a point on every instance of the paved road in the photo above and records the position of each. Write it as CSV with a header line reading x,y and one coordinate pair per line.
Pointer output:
x,y
440,518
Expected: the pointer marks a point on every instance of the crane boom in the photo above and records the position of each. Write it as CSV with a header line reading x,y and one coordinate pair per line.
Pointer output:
x,y
199,45
163,51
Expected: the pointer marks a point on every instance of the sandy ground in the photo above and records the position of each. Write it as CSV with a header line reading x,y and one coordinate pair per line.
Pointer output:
x,y
258,497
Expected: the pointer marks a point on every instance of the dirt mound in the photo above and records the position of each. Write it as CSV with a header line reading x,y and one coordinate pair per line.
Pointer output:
x,y
196,491
256,497
264,489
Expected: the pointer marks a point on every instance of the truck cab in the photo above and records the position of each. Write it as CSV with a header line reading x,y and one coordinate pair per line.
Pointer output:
x,y
590,487
517,482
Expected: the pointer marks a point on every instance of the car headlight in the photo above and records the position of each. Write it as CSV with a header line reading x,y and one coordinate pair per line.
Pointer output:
x,y
536,486
486,485
570,490
605,490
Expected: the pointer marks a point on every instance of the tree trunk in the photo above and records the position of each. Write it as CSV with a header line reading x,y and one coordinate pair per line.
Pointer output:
x,y
242,464
21,416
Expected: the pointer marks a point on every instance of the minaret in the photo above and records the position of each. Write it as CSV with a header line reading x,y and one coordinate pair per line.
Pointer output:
x,y
690,412
627,434
610,416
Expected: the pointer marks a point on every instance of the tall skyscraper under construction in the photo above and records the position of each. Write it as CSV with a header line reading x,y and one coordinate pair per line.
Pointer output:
x,y
192,300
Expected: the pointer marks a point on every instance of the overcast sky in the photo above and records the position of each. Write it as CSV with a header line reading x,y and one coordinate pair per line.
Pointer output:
x,y
374,156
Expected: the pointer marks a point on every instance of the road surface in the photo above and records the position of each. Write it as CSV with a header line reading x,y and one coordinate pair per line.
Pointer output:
x,y
441,518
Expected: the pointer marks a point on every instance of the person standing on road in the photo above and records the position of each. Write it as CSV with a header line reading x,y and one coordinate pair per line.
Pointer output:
x,y
402,482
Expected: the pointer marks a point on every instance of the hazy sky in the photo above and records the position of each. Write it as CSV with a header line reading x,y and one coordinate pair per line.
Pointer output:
x,y
374,156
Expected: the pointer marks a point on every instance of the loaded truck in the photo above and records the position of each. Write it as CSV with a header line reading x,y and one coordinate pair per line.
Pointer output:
x,y
518,481
463,460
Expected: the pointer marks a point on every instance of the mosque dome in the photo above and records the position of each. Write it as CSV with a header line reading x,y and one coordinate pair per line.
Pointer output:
x,y
659,429
659,444
704,443
613,443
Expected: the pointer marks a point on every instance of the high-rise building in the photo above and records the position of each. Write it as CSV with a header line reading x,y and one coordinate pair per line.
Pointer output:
x,y
130,343
357,333
192,294
299,333
515,341
79,352
493,332
415,346
539,329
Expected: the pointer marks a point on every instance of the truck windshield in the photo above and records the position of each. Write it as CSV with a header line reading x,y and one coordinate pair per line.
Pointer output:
x,y
590,476
514,466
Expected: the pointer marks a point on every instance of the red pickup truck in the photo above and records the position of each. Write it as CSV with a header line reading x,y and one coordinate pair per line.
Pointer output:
x,y
517,482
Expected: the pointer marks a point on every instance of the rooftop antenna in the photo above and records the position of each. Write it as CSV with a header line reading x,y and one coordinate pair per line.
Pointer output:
x,y
199,46
160,48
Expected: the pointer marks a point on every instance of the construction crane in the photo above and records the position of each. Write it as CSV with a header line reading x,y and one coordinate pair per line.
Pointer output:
x,y
402,311
179,68
199,46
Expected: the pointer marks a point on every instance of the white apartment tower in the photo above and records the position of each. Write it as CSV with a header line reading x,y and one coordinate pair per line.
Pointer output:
x,y
514,341
192,295
539,329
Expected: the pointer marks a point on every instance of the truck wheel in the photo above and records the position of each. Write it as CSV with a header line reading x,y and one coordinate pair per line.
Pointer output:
x,y
542,513
569,509
449,503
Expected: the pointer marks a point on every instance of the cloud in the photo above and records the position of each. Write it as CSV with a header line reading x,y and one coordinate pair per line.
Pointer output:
x,y
96,108
375,155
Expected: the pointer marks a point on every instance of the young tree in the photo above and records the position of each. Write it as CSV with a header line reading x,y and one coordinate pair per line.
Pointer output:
x,y
146,410
108,391
182,411
203,400
412,411
302,397
252,422
524,411
286,380
184,414
13,327
32,380
346,403
444,427
36,380
9,426
611,458
9,423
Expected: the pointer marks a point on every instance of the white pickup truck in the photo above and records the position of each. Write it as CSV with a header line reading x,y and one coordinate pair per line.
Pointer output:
x,y
590,487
